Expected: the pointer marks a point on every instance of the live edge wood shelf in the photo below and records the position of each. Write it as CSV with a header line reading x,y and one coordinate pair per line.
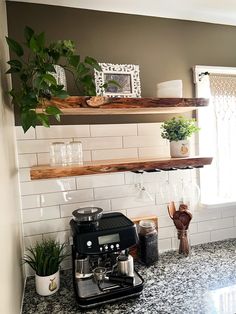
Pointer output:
x,y
99,105
120,165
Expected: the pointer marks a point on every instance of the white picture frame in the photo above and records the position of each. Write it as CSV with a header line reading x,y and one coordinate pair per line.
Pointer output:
x,y
126,75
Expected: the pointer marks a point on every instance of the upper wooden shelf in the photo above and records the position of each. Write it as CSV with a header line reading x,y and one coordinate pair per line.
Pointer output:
x,y
99,105
120,165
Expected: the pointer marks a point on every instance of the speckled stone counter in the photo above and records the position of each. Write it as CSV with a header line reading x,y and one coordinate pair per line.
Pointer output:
x,y
204,282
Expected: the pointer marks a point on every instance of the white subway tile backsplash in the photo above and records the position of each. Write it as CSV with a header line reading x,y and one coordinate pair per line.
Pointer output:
x,y
223,234
167,232
32,240
20,135
113,130
24,174
47,186
114,191
143,141
41,227
37,146
41,213
99,180
142,211
215,224
152,152
66,197
228,211
30,201
164,245
65,131
206,214
61,236
48,204
199,238
165,221
130,202
27,160
107,154
66,210
101,143
153,129
44,158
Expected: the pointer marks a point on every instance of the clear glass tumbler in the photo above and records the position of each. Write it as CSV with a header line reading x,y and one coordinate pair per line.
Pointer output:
x,y
58,154
74,153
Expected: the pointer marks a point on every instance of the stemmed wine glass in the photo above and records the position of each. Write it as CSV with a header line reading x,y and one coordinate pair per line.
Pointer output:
x,y
142,192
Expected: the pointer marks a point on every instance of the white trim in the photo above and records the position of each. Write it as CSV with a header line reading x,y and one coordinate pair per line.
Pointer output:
x,y
220,203
202,89
23,295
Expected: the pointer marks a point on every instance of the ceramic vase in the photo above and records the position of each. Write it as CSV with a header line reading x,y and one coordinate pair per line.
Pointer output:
x,y
180,148
47,285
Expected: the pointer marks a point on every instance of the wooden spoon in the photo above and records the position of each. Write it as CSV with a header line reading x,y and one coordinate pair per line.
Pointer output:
x,y
171,209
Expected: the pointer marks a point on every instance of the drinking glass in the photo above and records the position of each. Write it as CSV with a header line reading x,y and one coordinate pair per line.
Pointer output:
x,y
74,153
142,191
58,154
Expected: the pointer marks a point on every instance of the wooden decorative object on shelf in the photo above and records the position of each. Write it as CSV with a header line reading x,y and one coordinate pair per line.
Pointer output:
x,y
119,165
99,105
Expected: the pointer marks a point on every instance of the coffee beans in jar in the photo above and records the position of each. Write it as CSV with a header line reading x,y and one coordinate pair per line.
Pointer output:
x,y
148,242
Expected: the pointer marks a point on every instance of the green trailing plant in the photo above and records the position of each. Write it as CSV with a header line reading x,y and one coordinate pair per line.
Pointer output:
x,y
45,257
177,129
33,67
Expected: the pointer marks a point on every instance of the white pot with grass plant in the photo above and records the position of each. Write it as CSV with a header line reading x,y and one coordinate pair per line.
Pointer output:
x,y
178,131
45,259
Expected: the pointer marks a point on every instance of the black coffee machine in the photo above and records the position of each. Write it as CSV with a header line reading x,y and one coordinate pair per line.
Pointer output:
x,y
103,270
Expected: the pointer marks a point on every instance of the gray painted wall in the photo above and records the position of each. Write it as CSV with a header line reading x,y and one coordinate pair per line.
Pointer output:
x,y
165,49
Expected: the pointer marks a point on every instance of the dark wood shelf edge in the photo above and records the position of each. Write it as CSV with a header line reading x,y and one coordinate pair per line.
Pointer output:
x,y
99,167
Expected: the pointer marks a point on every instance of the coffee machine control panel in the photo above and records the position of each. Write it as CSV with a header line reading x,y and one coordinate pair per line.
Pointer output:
x,y
109,243
114,233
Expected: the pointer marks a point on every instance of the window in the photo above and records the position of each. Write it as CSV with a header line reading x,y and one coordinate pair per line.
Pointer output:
x,y
217,137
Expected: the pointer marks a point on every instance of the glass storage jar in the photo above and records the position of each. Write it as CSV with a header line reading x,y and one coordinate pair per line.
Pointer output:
x,y
148,242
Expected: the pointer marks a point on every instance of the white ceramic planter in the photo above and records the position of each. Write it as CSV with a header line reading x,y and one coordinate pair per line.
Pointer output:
x,y
47,285
179,148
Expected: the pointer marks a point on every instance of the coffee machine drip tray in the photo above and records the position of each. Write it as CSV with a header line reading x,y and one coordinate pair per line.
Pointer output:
x,y
90,294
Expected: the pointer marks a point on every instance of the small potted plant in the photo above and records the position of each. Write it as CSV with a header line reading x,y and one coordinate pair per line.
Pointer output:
x,y
177,131
45,259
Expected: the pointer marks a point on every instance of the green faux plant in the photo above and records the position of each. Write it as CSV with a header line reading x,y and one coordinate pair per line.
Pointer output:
x,y
45,257
177,129
33,66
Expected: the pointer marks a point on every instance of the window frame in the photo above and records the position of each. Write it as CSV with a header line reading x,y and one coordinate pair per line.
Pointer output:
x,y
202,89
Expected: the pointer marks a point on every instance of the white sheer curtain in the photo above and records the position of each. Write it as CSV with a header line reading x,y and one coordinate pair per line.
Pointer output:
x,y
223,104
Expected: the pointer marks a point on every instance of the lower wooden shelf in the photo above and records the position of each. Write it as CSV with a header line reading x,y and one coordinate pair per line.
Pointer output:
x,y
119,165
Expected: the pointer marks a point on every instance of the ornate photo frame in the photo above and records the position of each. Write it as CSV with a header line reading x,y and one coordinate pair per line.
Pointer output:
x,y
126,75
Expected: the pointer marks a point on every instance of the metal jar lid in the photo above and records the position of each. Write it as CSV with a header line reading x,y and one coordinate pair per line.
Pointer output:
x,y
87,214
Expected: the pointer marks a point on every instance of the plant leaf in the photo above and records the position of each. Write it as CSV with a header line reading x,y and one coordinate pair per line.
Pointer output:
x,y
15,47
52,110
43,119
93,63
49,79
74,60
28,33
28,119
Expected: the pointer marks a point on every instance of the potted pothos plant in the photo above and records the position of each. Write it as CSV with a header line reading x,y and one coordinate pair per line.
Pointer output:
x,y
45,259
178,131
33,66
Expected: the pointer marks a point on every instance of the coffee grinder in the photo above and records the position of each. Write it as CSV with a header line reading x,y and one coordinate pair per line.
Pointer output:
x,y
103,270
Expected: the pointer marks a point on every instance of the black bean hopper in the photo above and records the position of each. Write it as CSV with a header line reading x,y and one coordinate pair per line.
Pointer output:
x,y
103,270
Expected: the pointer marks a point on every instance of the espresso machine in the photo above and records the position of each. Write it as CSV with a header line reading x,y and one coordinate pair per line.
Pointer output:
x,y
103,270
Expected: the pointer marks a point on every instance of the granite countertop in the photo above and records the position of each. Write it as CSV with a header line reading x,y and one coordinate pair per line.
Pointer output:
x,y
204,282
